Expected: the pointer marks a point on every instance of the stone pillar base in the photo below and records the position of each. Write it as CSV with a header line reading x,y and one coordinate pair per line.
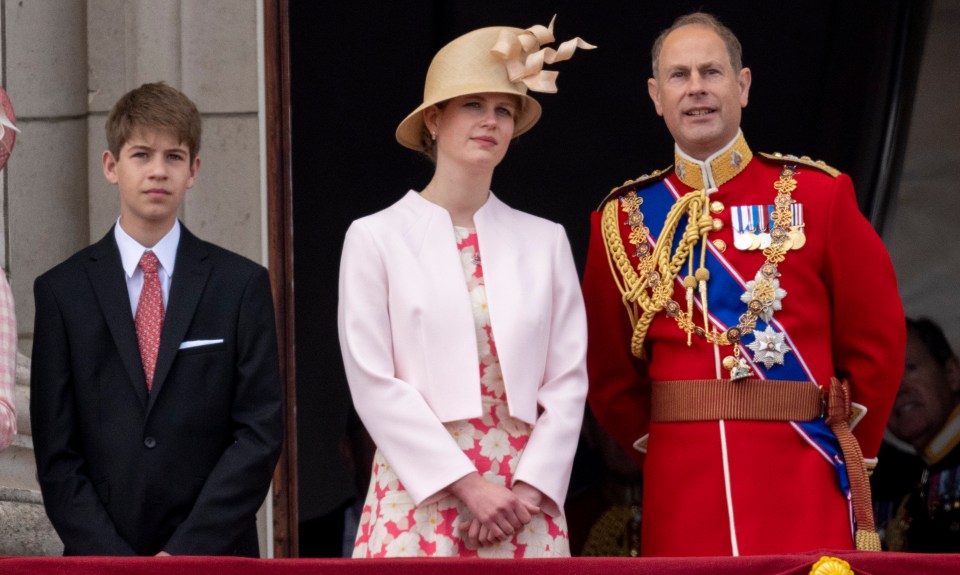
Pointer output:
x,y
24,527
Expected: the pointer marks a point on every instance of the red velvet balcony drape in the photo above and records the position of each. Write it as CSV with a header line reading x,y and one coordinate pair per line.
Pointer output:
x,y
862,563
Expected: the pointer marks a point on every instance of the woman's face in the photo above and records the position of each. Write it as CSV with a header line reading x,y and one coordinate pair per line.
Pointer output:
x,y
926,395
473,130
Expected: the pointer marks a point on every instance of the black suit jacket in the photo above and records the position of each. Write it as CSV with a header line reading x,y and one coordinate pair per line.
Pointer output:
x,y
184,468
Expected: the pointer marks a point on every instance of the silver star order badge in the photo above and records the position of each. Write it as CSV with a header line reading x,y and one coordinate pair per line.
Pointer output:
x,y
769,348
768,292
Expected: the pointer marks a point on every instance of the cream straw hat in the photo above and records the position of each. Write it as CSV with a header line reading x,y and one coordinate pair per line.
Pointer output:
x,y
498,59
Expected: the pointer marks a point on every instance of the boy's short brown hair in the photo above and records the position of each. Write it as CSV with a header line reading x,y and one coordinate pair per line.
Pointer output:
x,y
154,106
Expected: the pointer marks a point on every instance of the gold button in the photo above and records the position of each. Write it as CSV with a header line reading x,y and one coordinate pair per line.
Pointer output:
x,y
716,207
722,246
717,224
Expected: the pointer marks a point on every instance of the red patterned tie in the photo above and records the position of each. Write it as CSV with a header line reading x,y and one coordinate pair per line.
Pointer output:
x,y
149,315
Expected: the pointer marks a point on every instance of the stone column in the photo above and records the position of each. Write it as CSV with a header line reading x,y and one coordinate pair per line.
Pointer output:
x,y
45,58
44,63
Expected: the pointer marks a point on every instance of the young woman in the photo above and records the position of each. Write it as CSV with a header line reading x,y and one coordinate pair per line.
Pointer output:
x,y
462,327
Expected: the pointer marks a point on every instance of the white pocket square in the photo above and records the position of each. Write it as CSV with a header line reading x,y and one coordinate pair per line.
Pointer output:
x,y
199,342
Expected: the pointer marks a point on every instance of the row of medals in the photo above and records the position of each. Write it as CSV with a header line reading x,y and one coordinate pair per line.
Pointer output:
x,y
760,241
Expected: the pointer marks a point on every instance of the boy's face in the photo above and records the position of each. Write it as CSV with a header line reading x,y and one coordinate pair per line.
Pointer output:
x,y
153,172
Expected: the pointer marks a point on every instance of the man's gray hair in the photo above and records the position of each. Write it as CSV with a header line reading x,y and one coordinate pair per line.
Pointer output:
x,y
734,50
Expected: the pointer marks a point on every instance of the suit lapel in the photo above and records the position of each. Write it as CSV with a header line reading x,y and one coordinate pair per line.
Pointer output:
x,y
107,278
190,275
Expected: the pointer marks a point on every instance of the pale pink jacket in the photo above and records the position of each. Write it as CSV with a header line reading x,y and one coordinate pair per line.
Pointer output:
x,y
409,343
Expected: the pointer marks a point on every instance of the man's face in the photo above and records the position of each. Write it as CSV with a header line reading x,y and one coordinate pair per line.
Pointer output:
x,y
926,395
697,91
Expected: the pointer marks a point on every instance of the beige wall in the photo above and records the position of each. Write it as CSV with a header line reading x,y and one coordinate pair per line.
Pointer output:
x,y
65,62
923,235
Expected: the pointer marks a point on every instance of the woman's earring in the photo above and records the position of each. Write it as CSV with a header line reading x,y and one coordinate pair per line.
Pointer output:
x,y
434,136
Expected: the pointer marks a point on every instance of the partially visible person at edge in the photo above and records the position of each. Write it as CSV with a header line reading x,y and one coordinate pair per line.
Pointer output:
x,y
925,416
8,364
723,294
462,327
8,318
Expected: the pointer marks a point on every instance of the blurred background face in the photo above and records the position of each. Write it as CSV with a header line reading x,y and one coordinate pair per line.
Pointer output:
x,y
926,396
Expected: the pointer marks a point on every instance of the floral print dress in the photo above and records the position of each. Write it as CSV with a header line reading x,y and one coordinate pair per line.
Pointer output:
x,y
392,526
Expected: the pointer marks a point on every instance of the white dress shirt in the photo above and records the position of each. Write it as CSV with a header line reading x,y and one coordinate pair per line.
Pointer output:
x,y
130,253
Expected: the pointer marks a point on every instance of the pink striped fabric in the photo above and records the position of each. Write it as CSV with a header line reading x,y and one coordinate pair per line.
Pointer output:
x,y
8,363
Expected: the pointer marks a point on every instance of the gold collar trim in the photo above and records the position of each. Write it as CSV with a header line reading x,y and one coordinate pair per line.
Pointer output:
x,y
945,440
716,170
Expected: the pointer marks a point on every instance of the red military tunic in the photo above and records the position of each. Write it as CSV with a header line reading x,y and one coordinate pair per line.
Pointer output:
x,y
734,487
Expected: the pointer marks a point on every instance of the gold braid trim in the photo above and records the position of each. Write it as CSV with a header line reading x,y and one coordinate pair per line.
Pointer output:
x,y
660,281
648,289
651,292
779,158
620,266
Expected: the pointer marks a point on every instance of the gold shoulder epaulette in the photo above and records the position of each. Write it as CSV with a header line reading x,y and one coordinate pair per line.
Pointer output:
x,y
634,184
779,158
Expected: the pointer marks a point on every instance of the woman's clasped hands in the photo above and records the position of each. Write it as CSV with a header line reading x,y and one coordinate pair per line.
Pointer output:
x,y
498,512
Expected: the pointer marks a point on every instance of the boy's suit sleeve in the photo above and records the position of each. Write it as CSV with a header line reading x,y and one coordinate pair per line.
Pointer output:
x,y
71,501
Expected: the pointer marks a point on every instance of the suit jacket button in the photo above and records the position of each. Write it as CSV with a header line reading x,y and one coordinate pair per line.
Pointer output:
x,y
150,442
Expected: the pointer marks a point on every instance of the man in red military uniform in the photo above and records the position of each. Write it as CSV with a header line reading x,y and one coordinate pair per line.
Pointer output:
x,y
743,318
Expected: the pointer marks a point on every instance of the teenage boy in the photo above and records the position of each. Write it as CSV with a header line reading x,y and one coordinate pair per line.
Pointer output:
x,y
155,389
